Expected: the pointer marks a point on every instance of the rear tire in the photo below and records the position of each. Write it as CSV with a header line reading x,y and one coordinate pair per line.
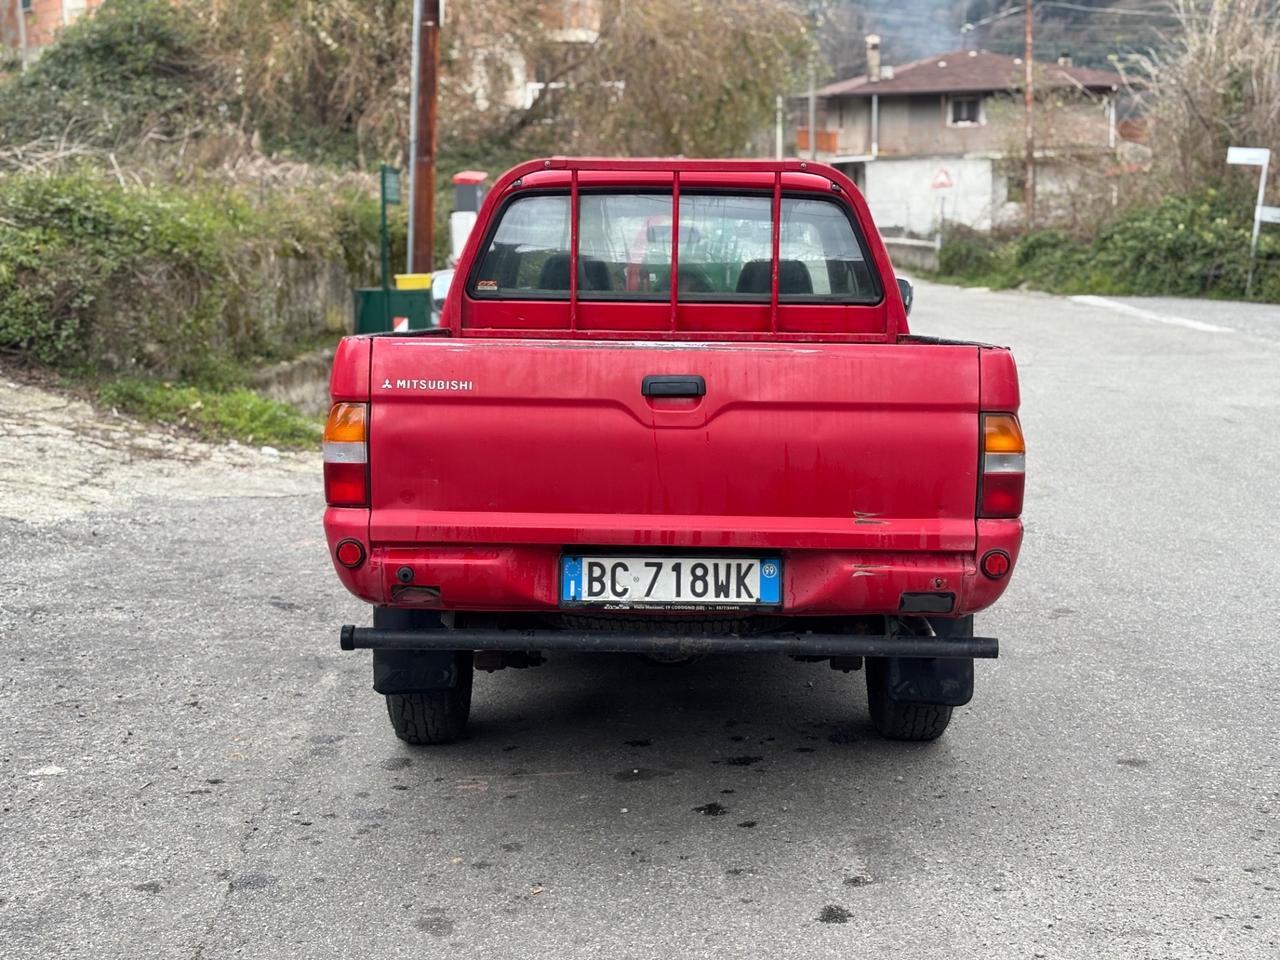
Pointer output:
x,y
439,716
901,720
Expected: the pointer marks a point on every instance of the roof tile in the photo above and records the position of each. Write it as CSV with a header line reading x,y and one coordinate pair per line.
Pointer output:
x,y
969,71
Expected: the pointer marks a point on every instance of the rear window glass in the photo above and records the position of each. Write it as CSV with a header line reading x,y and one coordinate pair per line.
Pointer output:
x,y
726,247
725,250
624,246
529,253
819,257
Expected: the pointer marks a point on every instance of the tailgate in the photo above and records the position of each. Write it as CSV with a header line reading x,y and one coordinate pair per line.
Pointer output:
x,y
819,446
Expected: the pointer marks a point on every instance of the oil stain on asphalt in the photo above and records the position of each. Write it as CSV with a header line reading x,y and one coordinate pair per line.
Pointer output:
x,y
834,914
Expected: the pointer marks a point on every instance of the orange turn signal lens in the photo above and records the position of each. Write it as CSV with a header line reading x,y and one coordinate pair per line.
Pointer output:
x,y
1001,433
346,423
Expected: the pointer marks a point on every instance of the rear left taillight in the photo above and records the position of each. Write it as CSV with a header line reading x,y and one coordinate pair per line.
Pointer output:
x,y
346,455
1004,466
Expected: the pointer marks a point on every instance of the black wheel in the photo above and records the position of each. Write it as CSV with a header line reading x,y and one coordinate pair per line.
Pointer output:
x,y
439,716
897,720
436,716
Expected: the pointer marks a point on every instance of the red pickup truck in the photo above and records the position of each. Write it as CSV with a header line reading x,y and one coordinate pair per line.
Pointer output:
x,y
673,409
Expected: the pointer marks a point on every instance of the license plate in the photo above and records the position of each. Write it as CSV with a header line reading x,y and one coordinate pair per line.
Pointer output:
x,y
671,582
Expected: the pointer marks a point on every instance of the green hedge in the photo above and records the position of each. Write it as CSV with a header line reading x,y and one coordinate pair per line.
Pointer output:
x,y
134,67
165,280
1196,245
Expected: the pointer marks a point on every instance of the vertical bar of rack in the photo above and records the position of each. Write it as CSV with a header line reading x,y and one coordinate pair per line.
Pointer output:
x,y
773,262
675,244
573,250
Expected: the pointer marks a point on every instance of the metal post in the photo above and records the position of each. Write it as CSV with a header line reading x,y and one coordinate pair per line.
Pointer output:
x,y
423,212
875,125
777,127
1029,133
1257,225
813,110
384,242
1255,157
413,127
22,34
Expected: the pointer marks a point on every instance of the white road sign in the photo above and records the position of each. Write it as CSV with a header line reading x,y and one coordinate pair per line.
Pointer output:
x,y
1269,214
1249,156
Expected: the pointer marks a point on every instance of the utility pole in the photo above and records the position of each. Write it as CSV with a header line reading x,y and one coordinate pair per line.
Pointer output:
x,y
422,159
1029,131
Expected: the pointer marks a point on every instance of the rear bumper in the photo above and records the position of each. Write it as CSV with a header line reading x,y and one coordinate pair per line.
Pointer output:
x,y
794,644
525,577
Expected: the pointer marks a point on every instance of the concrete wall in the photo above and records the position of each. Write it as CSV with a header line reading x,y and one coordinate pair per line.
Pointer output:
x,y
901,195
910,256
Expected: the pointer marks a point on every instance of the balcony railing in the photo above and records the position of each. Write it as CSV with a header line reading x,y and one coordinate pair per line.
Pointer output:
x,y
828,140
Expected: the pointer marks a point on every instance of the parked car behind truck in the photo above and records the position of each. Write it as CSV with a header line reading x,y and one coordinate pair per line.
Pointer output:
x,y
674,409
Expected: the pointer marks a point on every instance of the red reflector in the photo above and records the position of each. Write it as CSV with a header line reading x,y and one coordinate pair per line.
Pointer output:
x,y
995,564
1002,494
350,553
346,484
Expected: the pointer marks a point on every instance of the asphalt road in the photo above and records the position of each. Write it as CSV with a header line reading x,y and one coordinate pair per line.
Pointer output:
x,y
190,768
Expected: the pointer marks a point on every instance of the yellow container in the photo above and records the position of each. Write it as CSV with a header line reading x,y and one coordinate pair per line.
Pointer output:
x,y
413,281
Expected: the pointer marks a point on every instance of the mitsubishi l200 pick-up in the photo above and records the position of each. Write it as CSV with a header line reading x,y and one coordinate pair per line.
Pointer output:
x,y
673,408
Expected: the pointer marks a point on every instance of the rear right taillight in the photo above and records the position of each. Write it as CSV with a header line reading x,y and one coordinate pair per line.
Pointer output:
x,y
1004,466
346,455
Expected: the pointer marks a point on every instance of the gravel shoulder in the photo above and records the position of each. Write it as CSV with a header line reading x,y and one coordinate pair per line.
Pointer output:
x,y
64,458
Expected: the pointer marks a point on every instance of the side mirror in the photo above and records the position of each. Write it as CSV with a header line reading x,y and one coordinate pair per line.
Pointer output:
x,y
440,281
908,293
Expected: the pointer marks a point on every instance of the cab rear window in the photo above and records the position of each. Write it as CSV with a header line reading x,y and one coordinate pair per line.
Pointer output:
x,y
723,253
529,252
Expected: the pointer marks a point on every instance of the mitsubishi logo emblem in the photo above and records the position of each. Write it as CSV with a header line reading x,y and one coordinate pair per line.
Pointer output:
x,y
386,384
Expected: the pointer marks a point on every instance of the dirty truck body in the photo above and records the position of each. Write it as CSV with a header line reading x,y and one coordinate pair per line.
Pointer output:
x,y
674,409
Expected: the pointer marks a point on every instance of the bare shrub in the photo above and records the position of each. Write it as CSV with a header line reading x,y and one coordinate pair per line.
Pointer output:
x,y
1215,84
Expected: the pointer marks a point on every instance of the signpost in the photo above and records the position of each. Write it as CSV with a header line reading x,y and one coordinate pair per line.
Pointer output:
x,y
390,198
1255,157
941,182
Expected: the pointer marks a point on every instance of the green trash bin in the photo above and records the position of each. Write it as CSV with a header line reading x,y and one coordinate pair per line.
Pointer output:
x,y
380,310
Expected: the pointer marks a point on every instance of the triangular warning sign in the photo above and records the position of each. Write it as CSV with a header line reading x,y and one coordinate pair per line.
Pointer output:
x,y
941,180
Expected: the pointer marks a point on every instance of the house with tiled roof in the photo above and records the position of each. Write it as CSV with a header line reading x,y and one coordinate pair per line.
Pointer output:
x,y
933,141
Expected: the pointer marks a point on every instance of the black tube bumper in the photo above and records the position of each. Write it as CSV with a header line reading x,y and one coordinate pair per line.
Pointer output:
x,y
793,644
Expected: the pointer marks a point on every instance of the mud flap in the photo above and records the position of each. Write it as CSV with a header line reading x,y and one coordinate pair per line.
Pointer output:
x,y
948,682
412,671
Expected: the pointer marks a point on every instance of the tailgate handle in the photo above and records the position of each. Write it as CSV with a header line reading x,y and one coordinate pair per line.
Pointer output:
x,y
674,385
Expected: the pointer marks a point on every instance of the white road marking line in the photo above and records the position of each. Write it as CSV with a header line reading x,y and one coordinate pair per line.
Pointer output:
x,y
1091,301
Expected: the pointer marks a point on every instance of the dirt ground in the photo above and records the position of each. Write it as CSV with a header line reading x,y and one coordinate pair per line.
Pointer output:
x,y
63,458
